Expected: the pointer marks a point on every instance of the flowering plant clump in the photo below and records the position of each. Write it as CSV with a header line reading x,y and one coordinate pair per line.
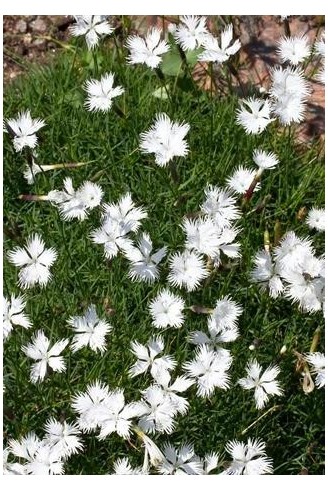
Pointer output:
x,y
173,268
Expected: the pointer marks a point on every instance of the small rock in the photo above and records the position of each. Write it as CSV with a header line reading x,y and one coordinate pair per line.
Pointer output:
x,y
21,26
39,25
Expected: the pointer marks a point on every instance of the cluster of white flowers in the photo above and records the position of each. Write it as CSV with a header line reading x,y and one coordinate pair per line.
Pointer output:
x,y
289,91
247,459
118,221
242,179
99,407
289,88
293,271
222,327
45,456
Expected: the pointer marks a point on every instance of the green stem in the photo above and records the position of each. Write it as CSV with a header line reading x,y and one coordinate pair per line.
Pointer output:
x,y
161,77
95,62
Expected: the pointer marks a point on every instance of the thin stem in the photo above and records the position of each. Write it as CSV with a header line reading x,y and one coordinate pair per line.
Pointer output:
x,y
95,62
174,172
161,77
33,197
315,340
235,73
272,409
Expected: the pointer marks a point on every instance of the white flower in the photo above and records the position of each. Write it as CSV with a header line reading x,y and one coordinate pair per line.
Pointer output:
x,y
210,463
225,315
46,461
201,235
215,338
113,235
148,50
306,283
288,81
41,457
181,461
39,351
76,204
226,245
157,411
289,108
266,274
90,405
264,384
288,93
291,251
30,171
319,48
254,115
209,368
248,459
319,45
265,160
34,261
181,384
23,130
293,49
144,263
215,53
316,219
90,330
26,447
92,27
90,194
190,32
122,466
187,269
317,362
221,206
101,92
147,356
125,212
166,139
116,415
241,180
152,451
63,437
13,314
167,310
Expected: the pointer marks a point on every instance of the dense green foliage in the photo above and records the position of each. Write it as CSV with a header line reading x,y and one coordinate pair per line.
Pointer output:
x,y
293,431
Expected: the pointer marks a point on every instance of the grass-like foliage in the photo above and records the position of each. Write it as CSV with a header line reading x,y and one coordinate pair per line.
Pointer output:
x,y
293,427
